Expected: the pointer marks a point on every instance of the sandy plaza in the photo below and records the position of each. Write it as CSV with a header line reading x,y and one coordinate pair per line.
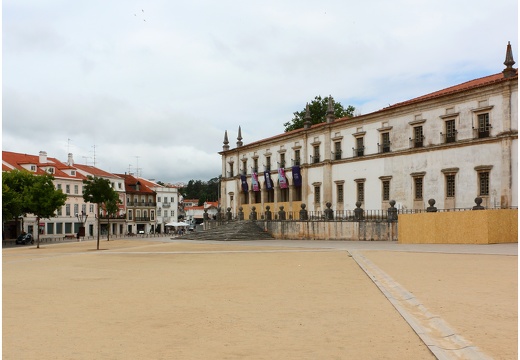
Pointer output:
x,y
178,299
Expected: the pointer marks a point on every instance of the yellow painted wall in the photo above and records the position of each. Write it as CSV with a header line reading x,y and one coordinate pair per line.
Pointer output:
x,y
293,207
464,227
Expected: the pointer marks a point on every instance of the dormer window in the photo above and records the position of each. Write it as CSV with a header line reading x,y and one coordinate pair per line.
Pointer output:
x,y
33,167
50,170
73,173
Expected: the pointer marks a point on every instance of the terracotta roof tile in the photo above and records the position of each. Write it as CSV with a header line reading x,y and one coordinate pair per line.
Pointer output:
x,y
17,160
472,84
95,171
130,185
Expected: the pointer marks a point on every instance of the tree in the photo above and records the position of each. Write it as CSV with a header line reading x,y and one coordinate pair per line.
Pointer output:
x,y
13,185
202,190
111,207
318,111
99,191
42,199
12,203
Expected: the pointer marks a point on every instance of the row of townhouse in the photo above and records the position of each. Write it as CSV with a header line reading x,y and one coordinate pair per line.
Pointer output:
x,y
452,145
145,205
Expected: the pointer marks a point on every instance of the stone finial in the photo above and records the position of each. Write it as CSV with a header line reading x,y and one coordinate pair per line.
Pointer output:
x,y
239,137
509,71
253,214
303,212
308,123
431,208
359,212
229,216
329,213
226,142
478,201
281,213
330,110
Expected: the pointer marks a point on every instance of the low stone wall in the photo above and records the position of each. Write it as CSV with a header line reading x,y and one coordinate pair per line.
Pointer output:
x,y
465,227
331,230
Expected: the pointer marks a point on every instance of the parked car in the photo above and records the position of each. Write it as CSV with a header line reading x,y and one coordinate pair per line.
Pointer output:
x,y
140,232
25,239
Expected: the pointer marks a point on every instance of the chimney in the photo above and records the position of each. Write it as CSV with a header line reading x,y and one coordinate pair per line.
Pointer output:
x,y
43,157
70,160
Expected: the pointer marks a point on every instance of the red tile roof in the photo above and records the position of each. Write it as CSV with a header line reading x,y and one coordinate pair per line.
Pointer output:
x,y
468,85
94,171
130,185
17,160
148,183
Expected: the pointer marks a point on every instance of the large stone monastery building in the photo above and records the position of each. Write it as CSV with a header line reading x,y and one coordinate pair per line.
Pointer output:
x,y
452,145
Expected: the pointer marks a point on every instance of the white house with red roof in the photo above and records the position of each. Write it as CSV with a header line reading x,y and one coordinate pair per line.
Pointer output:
x,y
195,214
145,205
69,180
167,202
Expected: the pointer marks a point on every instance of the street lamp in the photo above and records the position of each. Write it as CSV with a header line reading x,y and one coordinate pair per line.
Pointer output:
x,y
82,218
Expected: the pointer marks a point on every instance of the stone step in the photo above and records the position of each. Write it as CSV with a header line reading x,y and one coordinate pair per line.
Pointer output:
x,y
237,230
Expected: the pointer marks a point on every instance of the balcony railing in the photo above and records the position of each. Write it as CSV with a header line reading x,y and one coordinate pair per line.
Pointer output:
x,y
142,218
123,216
166,205
358,152
336,155
417,142
481,133
296,162
137,203
383,148
315,159
450,137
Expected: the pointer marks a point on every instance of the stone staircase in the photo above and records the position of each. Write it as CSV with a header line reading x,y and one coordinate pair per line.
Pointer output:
x,y
236,230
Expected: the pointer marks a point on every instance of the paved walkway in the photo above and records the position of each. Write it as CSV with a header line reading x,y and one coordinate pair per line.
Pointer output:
x,y
492,249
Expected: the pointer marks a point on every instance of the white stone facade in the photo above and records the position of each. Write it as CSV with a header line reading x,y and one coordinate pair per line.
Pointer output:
x,y
456,159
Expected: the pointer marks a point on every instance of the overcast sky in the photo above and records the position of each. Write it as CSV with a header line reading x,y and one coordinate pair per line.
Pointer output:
x,y
154,84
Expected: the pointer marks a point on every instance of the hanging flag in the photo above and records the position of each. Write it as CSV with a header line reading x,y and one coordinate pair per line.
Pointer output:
x,y
254,182
297,177
243,179
268,181
282,179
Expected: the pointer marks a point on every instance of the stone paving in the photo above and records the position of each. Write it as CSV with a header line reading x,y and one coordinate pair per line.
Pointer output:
x,y
459,328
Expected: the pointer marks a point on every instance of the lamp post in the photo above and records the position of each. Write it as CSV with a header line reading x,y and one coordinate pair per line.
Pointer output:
x,y
82,218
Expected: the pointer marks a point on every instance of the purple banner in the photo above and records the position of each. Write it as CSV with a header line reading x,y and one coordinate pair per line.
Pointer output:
x,y
243,179
297,177
268,181
282,179
254,182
